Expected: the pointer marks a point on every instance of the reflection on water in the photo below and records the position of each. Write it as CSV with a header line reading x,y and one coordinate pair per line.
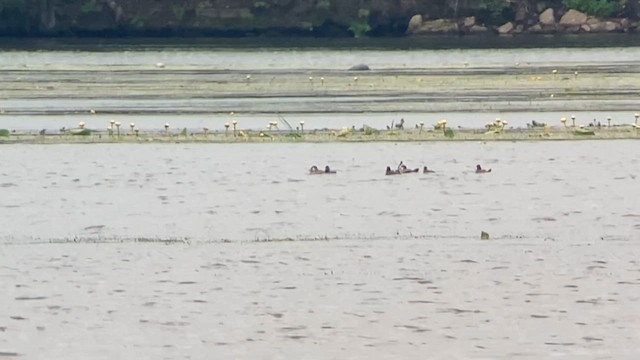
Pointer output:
x,y
209,192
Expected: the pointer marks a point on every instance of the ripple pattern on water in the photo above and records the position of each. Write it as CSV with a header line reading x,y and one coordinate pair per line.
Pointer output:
x,y
347,299
262,191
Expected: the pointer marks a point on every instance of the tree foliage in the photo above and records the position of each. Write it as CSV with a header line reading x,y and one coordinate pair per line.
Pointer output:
x,y
598,8
493,12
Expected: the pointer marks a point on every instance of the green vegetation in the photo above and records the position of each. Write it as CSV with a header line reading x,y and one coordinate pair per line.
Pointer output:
x,y
597,8
582,132
494,12
90,6
308,25
260,4
368,130
12,5
4,132
81,132
246,14
449,133
137,22
178,11
323,5
361,27
281,17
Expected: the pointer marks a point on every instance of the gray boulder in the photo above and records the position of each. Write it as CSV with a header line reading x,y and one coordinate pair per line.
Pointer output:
x,y
359,67
437,26
506,28
573,18
414,24
547,17
469,21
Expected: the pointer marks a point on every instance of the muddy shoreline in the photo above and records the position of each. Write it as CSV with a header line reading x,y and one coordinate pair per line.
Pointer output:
x,y
185,90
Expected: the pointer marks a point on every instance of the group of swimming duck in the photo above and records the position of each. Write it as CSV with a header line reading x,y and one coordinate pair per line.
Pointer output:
x,y
402,169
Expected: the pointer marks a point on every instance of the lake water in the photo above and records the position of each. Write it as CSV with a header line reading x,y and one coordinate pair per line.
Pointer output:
x,y
279,264
232,251
210,192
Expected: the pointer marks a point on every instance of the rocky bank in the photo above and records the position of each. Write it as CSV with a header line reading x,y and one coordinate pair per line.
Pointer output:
x,y
329,18
549,22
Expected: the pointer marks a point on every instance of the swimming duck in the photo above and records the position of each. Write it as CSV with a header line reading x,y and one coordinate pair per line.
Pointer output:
x,y
392,172
480,170
402,169
315,171
425,170
327,170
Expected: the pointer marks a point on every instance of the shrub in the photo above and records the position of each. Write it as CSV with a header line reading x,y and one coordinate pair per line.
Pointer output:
x,y
323,5
494,12
90,6
178,11
360,28
597,8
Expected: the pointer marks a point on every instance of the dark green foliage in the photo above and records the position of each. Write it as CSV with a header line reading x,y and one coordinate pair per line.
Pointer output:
x,y
178,11
137,22
81,132
4,132
90,6
323,4
583,132
449,133
598,8
12,5
361,27
370,131
493,12
260,4
330,18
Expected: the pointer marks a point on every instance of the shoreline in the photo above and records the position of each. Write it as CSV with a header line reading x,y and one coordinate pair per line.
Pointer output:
x,y
626,132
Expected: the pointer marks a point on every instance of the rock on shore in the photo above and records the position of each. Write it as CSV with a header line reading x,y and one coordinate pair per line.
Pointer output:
x,y
571,21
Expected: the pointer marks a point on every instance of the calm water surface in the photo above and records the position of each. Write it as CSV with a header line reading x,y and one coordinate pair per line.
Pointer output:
x,y
239,54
